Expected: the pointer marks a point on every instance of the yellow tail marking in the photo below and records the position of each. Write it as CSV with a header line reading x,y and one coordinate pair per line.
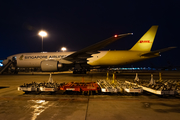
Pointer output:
x,y
146,41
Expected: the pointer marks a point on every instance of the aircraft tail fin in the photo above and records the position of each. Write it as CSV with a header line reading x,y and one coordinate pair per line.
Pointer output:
x,y
146,41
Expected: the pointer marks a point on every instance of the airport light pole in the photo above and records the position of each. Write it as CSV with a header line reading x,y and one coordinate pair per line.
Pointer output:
x,y
42,34
63,49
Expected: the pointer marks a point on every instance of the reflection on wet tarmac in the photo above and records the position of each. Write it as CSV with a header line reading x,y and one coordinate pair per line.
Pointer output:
x,y
39,106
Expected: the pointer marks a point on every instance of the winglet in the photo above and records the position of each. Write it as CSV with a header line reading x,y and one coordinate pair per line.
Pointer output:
x,y
123,34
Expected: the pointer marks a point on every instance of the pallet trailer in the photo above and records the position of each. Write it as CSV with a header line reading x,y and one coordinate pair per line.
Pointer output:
x,y
49,86
39,87
84,87
28,87
115,86
106,86
159,87
157,92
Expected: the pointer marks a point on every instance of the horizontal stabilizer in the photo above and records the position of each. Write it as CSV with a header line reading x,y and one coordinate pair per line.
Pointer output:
x,y
157,52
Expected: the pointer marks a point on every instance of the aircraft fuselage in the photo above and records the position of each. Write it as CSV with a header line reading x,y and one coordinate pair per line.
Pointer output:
x,y
104,58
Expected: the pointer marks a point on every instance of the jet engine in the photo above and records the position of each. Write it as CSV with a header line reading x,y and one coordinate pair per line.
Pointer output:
x,y
50,65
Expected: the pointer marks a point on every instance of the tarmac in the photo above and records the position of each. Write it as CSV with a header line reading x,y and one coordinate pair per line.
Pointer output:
x,y
15,105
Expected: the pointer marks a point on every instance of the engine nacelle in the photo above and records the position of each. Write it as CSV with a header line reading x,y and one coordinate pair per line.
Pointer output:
x,y
50,65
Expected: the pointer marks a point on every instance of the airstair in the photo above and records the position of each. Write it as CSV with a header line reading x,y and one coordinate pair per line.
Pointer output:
x,y
5,66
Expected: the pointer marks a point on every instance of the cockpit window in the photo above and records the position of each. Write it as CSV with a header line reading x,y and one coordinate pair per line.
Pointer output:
x,y
14,58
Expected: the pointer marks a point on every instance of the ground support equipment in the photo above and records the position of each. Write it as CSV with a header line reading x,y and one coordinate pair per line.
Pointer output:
x,y
84,87
165,87
132,88
49,86
39,87
111,86
28,87
114,86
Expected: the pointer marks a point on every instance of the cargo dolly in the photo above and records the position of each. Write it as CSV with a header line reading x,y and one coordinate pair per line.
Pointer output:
x,y
49,86
132,88
106,86
115,86
84,87
159,87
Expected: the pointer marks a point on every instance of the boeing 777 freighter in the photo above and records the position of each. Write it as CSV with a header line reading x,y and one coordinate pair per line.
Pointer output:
x,y
89,57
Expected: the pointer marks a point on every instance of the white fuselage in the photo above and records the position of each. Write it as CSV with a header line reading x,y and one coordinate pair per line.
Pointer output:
x,y
104,58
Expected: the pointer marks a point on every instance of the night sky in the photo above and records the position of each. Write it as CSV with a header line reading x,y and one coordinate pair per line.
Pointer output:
x,y
76,24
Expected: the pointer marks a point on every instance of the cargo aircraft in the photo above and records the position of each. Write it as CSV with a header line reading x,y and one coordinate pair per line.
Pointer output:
x,y
89,57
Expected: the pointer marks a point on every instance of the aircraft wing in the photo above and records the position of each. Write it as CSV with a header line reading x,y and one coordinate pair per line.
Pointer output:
x,y
83,54
157,52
